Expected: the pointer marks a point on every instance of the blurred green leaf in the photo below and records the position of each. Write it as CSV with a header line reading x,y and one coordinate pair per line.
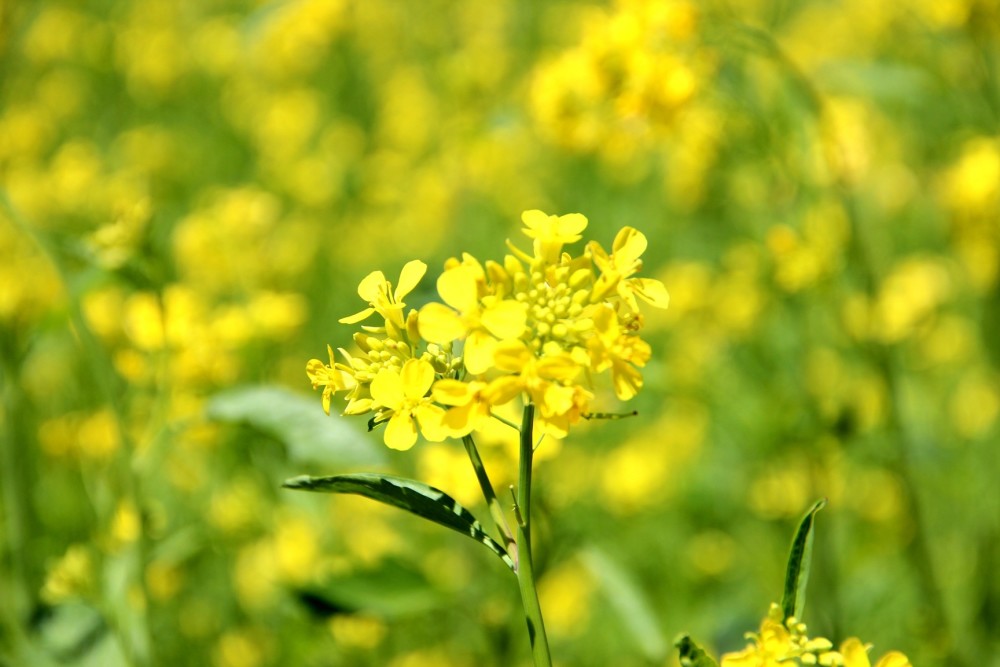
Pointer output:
x,y
691,654
414,497
298,422
628,600
393,589
799,559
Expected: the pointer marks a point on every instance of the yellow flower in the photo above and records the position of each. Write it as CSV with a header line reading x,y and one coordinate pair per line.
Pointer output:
x,y
402,399
783,644
480,321
856,655
547,381
615,349
617,269
469,402
381,298
551,232
326,376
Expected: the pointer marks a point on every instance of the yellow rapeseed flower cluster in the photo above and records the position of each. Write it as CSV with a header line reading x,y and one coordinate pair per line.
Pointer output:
x,y
782,643
537,326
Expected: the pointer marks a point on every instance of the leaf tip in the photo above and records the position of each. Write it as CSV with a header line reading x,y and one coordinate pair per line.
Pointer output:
x,y
300,482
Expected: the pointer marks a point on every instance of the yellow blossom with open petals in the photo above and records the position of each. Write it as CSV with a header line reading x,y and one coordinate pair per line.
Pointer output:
x,y
785,643
618,268
856,655
551,232
480,321
402,400
382,299
326,376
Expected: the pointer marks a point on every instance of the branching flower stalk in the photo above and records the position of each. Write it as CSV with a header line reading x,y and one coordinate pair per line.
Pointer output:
x,y
537,328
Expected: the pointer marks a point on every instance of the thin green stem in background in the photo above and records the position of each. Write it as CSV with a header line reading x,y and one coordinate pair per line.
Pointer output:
x,y
496,509
525,569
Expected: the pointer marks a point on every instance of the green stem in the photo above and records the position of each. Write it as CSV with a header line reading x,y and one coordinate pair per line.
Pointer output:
x,y
525,569
496,510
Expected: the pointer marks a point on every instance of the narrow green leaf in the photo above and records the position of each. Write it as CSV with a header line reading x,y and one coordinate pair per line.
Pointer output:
x,y
406,494
693,655
631,604
298,422
799,559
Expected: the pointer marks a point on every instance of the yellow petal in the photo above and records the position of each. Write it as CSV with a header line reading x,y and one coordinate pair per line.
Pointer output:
x,y
409,277
431,420
440,324
651,291
400,432
503,389
478,353
417,377
894,659
511,355
627,381
357,317
558,368
558,400
855,653
452,392
629,245
572,224
505,319
458,288
371,285
387,390
534,219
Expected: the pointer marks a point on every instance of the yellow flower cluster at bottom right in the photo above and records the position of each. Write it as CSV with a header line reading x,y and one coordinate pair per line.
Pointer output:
x,y
782,643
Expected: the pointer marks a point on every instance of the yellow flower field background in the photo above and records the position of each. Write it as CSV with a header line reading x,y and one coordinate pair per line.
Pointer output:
x,y
191,193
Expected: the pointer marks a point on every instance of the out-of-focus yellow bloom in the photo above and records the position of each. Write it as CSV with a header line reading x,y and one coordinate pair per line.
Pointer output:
x,y
71,576
785,642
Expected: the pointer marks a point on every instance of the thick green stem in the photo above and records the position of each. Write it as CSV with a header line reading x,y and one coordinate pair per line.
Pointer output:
x,y
525,570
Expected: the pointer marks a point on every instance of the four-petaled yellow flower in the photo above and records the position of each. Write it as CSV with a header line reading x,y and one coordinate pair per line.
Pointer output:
x,y
551,232
402,399
381,298
479,320
618,268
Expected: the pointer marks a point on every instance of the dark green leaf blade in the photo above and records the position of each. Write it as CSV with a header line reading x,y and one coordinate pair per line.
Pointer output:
x,y
693,655
406,494
799,558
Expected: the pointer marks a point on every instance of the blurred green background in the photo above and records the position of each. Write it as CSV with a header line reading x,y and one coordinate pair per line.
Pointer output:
x,y
191,192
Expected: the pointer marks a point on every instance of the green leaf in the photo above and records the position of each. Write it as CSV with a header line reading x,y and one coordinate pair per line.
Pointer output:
x,y
393,589
298,422
693,655
799,559
631,604
414,497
